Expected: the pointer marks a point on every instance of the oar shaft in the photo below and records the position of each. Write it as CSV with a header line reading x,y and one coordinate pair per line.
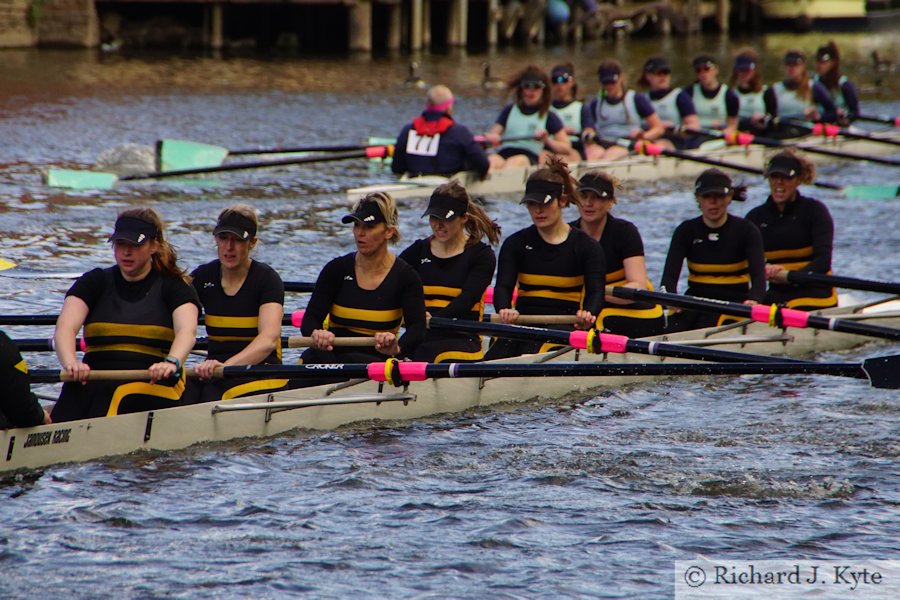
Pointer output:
x,y
895,121
850,283
290,149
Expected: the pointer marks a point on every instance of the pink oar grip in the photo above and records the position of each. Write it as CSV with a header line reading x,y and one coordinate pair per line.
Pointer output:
x,y
82,345
610,342
897,122
794,318
744,139
413,371
489,295
297,318
376,371
578,339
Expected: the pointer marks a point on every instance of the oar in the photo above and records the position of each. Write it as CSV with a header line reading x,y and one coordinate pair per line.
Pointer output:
x,y
597,342
774,315
202,343
745,139
6,264
849,283
882,372
96,180
830,130
895,121
185,154
869,192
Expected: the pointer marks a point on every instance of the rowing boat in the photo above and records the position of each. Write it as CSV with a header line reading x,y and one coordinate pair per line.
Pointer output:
x,y
512,180
330,406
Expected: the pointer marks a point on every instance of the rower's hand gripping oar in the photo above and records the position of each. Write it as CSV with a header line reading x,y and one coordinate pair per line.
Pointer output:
x,y
773,315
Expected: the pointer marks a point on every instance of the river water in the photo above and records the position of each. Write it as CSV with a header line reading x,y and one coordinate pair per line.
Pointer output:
x,y
589,496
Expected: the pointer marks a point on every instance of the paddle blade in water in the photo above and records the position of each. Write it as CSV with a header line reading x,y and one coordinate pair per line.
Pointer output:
x,y
175,155
883,371
80,180
6,264
872,192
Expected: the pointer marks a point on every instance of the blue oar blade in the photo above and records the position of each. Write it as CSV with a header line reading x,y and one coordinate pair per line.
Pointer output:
x,y
80,180
175,155
872,192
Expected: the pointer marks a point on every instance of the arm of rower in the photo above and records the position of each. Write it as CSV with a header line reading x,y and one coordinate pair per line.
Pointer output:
x,y
655,127
184,320
71,318
691,122
477,281
495,134
266,341
635,276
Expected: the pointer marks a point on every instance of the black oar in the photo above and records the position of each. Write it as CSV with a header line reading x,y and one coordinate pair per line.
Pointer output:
x,y
849,283
830,130
745,139
96,180
882,372
774,315
597,342
895,121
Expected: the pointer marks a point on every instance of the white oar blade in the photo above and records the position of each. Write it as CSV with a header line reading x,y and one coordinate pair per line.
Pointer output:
x,y
175,155
872,192
80,180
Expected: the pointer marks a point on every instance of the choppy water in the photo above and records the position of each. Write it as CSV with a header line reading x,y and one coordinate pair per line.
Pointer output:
x,y
592,496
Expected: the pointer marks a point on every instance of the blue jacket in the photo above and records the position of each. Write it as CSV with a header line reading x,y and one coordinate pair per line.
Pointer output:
x,y
434,144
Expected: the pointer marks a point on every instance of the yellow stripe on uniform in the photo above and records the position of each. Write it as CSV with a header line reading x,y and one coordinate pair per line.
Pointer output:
x,y
718,268
227,322
156,332
574,296
451,355
359,314
719,279
550,281
137,348
804,252
616,277
156,390
21,366
441,290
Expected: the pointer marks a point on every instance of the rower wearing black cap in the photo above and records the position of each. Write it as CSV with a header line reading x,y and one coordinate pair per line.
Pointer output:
x,y
140,314
369,292
243,300
717,105
798,234
746,81
559,270
843,92
673,105
623,251
798,97
567,106
533,130
456,267
613,119
724,254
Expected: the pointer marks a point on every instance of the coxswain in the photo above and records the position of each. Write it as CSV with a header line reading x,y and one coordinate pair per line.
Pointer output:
x,y
19,407
559,270
567,106
456,267
369,292
140,314
717,105
623,251
531,130
613,119
673,105
724,254
797,97
841,89
243,302
797,232
746,82
435,144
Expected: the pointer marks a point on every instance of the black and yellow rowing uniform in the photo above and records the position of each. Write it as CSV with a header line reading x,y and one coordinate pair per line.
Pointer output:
x,y
232,322
724,263
356,312
799,239
129,326
553,279
18,406
454,289
620,240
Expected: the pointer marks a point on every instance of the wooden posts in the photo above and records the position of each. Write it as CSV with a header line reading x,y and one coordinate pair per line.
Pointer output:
x,y
360,29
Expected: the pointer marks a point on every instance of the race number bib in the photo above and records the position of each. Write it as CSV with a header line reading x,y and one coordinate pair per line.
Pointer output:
x,y
422,145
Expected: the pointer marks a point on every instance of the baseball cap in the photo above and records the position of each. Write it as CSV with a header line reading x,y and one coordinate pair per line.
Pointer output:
x,y
609,74
713,181
235,223
794,57
134,230
703,60
656,64
744,62
541,192
444,207
597,184
367,212
784,164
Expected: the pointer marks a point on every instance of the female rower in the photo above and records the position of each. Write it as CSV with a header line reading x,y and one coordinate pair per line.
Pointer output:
x,y
717,105
623,251
613,118
567,106
797,232
724,253
746,81
244,303
673,105
559,270
843,93
140,314
366,293
797,97
533,130
456,267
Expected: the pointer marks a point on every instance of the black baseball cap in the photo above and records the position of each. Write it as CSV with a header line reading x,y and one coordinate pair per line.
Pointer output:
x,y
134,230
541,192
609,74
784,164
367,212
713,181
744,62
794,57
824,53
562,71
444,207
657,64
597,184
703,60
235,223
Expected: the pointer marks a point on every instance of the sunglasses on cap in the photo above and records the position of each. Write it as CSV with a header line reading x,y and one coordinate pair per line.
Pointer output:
x,y
562,78
532,85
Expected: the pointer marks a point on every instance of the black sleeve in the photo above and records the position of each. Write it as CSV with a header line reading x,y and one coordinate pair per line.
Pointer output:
x,y
822,237
507,272
554,123
675,259
594,274
89,287
756,260
271,287
771,102
18,406
732,103
476,159
588,121
412,254
504,115
643,105
851,98
398,160
480,275
823,99
327,287
413,304
632,244
178,292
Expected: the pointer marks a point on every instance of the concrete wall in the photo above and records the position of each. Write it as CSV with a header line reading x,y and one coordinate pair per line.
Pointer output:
x,y
15,32
68,23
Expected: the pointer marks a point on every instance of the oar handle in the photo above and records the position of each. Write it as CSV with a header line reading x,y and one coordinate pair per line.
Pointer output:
x,y
536,319
850,283
298,341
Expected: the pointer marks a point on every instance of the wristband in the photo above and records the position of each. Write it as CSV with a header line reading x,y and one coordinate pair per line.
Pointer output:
x,y
174,361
